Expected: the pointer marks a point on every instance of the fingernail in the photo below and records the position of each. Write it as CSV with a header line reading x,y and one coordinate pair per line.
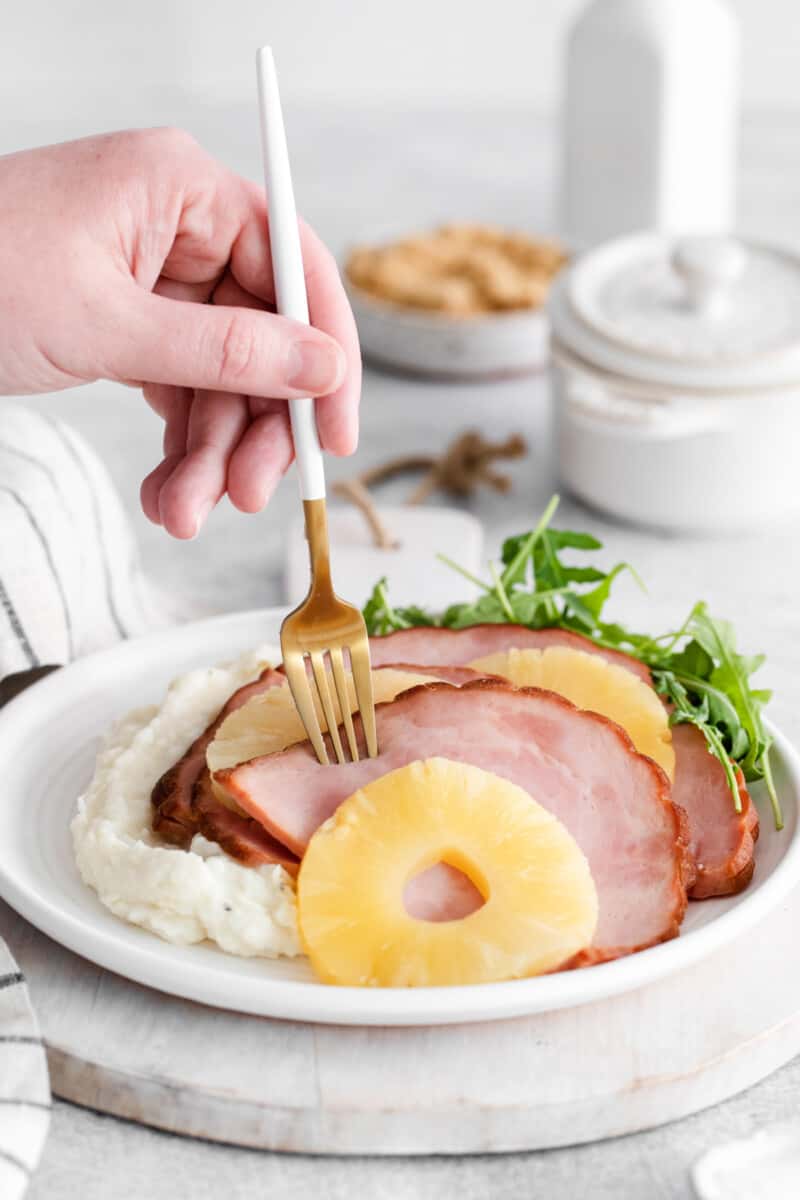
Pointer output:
x,y
202,514
315,367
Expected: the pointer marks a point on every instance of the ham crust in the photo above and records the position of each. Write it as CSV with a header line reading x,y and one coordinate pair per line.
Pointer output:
x,y
615,802
174,818
454,647
238,835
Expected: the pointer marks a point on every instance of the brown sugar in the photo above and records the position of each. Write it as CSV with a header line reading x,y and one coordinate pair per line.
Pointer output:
x,y
461,270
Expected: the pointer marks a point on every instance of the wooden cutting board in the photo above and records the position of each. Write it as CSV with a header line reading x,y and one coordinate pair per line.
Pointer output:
x,y
552,1080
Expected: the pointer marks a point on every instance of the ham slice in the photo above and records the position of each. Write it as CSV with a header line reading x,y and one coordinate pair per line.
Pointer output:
x,y
615,802
174,819
439,894
721,841
238,835
455,647
184,804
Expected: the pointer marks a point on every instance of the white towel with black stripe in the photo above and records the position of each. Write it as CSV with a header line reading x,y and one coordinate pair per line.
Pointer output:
x,y
70,580
24,1087
70,583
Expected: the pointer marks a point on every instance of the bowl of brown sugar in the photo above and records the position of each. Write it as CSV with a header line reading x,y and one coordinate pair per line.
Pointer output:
x,y
462,301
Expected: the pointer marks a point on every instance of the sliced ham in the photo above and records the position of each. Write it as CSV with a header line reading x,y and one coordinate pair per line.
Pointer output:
x,y
455,647
439,894
173,817
238,835
615,802
721,841
184,803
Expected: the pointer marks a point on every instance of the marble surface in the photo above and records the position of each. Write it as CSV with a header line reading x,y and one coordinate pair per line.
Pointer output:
x,y
355,173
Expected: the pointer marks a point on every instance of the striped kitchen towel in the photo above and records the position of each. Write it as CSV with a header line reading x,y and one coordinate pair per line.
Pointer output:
x,y
70,579
70,583
24,1087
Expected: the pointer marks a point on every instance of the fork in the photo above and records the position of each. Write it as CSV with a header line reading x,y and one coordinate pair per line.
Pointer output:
x,y
323,628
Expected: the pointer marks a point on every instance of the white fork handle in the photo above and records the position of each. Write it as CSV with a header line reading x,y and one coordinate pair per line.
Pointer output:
x,y
287,263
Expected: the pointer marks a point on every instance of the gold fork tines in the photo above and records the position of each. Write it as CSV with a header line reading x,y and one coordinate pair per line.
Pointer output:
x,y
324,628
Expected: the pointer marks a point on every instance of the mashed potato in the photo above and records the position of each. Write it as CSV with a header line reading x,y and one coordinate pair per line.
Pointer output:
x,y
183,896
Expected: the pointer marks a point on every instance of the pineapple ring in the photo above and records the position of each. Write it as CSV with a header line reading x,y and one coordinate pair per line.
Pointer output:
x,y
269,721
593,683
540,899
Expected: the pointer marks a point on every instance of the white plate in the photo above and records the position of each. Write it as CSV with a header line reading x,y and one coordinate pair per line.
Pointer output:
x,y
48,739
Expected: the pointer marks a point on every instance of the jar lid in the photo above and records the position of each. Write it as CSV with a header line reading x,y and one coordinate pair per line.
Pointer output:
x,y
693,312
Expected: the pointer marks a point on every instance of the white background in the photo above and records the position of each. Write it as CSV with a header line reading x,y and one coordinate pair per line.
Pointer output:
x,y
100,56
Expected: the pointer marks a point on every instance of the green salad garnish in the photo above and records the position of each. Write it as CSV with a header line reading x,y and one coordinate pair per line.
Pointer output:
x,y
696,667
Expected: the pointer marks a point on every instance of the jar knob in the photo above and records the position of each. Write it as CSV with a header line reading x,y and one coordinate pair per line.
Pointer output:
x,y
709,266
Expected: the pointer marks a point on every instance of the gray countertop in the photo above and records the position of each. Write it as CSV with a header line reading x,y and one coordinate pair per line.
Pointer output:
x,y
355,173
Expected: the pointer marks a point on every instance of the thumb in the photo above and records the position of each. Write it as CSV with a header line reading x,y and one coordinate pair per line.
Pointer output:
x,y
244,350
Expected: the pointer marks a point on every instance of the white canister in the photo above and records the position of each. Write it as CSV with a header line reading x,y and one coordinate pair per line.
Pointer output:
x,y
677,385
651,110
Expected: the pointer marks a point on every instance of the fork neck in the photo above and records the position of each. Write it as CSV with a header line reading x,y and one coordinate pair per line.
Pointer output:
x,y
316,515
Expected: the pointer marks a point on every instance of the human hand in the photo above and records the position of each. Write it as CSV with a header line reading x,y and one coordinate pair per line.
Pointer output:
x,y
137,257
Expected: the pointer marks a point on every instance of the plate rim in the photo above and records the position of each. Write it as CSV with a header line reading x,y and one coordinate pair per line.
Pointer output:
x,y
316,1002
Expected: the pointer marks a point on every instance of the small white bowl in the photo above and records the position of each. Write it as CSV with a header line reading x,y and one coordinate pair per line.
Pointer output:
x,y
437,345
767,1163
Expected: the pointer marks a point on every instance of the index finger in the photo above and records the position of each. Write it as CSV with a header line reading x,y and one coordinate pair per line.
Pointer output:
x,y
329,310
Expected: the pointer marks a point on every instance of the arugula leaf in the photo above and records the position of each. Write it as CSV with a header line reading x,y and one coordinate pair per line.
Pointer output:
x,y
488,610
583,574
517,551
685,711
596,600
694,660
381,618
731,676
562,539
696,667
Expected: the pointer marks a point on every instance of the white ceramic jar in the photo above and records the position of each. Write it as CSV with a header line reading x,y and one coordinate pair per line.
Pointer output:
x,y
677,381
650,119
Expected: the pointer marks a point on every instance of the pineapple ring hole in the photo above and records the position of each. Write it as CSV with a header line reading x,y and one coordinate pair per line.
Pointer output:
x,y
445,891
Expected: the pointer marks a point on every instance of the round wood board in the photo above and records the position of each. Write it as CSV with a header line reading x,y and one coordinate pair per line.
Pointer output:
x,y
555,1079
